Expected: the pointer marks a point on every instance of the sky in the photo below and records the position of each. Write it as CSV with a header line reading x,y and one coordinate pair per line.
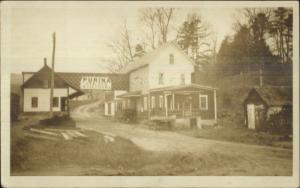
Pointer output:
x,y
83,31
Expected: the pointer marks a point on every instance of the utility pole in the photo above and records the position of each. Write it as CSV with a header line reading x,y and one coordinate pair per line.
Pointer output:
x,y
52,77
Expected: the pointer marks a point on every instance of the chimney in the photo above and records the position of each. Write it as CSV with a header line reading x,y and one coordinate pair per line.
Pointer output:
x,y
45,61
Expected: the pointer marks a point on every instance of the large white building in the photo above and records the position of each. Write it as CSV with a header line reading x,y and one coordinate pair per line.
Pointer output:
x,y
161,85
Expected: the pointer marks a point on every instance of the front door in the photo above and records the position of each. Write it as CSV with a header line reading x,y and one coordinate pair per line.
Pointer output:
x,y
251,116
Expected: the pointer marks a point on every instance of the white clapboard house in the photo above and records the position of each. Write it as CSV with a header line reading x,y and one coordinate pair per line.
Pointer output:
x,y
36,92
68,85
161,85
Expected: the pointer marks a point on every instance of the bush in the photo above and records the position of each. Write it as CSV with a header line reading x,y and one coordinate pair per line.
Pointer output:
x,y
281,122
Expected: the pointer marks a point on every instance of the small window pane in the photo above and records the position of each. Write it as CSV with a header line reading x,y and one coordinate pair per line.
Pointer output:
x,y
34,102
161,79
182,78
55,101
171,58
203,102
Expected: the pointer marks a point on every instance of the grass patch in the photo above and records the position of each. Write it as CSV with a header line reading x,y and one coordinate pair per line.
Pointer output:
x,y
94,157
240,135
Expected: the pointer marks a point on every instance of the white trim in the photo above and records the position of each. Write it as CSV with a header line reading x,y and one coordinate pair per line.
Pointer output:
x,y
206,104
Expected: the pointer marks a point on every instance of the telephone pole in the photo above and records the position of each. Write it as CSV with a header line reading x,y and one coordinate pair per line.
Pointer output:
x,y
52,76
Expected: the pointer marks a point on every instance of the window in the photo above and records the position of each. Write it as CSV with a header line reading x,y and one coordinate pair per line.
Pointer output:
x,y
161,78
182,78
145,103
55,101
203,102
171,59
123,104
161,101
153,101
34,102
109,108
128,104
46,83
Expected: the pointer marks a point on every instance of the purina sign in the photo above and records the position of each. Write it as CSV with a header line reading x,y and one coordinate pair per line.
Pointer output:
x,y
95,82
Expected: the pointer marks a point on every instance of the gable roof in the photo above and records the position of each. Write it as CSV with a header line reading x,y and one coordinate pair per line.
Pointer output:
x,y
148,57
275,96
119,81
45,71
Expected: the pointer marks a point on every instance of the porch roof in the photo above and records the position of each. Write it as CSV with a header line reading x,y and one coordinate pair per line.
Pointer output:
x,y
130,94
187,88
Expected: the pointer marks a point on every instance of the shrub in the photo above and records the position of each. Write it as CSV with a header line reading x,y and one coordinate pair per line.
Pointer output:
x,y
281,122
64,120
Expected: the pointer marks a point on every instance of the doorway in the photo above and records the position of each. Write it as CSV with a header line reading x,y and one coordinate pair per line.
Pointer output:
x,y
63,104
251,116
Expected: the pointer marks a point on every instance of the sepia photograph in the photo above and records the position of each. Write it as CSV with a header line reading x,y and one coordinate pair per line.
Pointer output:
x,y
150,89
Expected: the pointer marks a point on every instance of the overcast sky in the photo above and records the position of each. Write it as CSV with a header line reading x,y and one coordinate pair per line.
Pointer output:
x,y
82,31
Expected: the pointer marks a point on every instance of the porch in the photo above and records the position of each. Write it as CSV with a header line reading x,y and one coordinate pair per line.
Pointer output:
x,y
187,101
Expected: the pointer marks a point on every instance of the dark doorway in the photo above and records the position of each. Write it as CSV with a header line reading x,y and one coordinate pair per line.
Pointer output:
x,y
64,105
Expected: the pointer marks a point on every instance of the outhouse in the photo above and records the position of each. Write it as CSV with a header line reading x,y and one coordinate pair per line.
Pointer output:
x,y
261,103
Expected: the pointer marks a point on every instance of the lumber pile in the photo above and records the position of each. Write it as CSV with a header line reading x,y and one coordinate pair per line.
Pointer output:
x,y
54,134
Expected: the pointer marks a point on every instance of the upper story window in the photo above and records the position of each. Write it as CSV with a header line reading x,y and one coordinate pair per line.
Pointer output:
x,y
161,78
182,79
171,59
46,83
203,102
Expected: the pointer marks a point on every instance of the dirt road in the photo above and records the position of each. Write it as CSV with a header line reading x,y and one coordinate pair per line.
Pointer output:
x,y
263,158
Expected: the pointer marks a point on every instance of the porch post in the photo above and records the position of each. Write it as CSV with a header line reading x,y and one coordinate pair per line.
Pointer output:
x,y
173,101
149,107
68,105
215,104
166,105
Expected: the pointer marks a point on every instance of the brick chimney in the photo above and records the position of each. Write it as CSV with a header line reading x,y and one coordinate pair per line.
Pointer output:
x,y
45,61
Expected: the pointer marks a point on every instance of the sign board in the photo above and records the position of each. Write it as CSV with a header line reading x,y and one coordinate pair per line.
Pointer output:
x,y
95,82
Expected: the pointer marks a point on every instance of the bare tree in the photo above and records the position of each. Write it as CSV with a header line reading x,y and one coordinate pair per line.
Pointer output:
x,y
164,16
148,18
122,49
158,23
